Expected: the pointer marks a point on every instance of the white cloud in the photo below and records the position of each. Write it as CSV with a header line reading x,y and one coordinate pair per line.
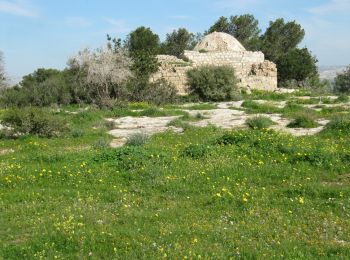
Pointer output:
x,y
119,25
332,7
17,7
77,21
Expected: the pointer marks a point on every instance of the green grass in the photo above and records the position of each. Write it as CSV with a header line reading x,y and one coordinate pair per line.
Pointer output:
x,y
202,106
292,110
206,193
267,95
257,108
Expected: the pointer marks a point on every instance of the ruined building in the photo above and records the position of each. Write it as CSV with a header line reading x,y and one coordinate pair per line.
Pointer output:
x,y
218,49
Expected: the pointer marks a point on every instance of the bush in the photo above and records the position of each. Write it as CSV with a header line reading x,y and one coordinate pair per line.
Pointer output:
x,y
303,121
340,123
158,93
342,82
212,83
342,99
195,151
138,139
33,121
101,143
259,122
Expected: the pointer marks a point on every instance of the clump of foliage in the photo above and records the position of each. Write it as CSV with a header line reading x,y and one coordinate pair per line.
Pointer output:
x,y
138,139
342,99
339,124
342,82
33,121
196,151
259,122
211,83
303,121
43,87
158,92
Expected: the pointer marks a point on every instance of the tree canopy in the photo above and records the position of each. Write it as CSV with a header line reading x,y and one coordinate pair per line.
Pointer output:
x,y
143,40
281,37
296,64
177,42
244,28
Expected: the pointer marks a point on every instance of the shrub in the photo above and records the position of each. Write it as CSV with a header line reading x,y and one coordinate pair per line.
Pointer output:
x,y
101,143
342,99
33,121
195,151
137,139
127,157
340,123
77,132
212,83
231,138
303,121
159,92
259,122
342,82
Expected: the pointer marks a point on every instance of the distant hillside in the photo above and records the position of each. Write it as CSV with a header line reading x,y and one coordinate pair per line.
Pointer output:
x,y
330,72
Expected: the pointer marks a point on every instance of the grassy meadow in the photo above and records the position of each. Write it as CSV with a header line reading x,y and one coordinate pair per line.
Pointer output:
x,y
207,193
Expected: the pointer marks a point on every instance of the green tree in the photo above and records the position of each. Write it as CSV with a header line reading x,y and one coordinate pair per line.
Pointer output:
x,y
2,72
342,82
296,64
221,25
281,37
177,42
143,40
245,28
38,76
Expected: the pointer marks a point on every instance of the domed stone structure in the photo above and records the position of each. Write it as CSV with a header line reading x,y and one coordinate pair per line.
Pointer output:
x,y
219,42
220,49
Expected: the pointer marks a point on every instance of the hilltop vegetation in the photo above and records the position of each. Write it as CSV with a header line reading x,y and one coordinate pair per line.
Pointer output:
x,y
205,193
261,175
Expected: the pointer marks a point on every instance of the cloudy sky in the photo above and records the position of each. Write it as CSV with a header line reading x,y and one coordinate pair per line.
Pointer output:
x,y
44,33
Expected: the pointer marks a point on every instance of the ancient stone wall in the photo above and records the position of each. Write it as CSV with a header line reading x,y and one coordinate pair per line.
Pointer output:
x,y
174,71
251,69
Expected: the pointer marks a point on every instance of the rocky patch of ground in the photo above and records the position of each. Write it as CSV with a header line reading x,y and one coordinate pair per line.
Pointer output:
x,y
224,116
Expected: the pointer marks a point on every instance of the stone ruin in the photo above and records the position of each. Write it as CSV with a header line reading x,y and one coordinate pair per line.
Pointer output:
x,y
220,49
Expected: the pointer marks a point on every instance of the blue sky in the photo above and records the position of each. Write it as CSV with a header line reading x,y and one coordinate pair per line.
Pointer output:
x,y
45,33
